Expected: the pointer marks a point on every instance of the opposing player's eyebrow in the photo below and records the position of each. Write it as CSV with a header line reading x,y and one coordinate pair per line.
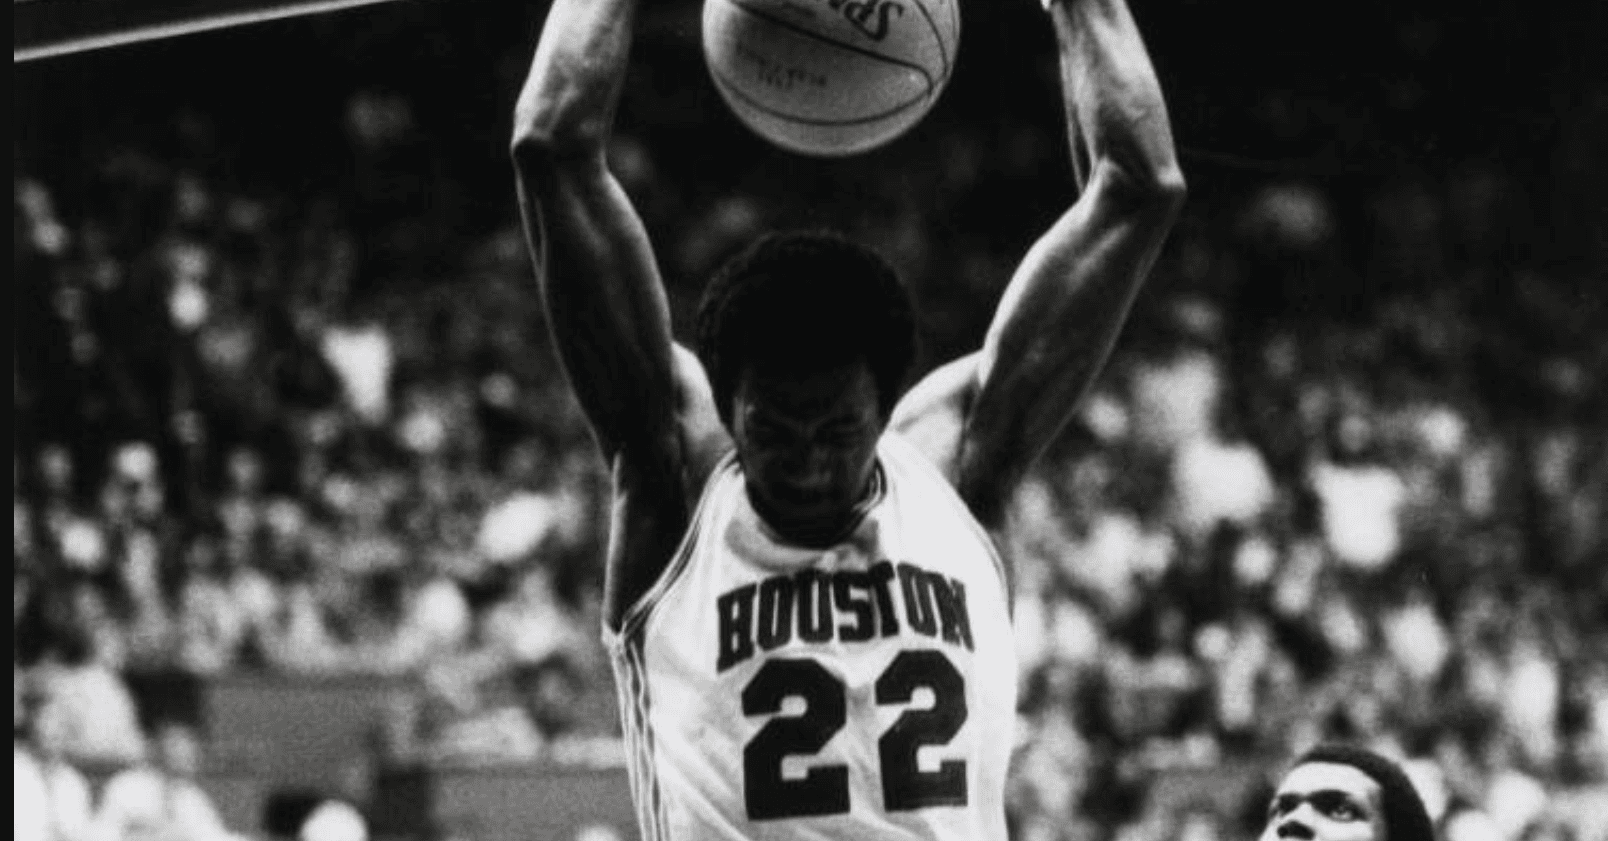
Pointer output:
x,y
1324,800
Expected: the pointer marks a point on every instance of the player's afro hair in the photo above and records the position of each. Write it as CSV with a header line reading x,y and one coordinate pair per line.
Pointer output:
x,y
1406,819
801,301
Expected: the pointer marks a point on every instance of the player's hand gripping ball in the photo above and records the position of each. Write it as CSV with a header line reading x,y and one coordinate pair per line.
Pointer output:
x,y
830,77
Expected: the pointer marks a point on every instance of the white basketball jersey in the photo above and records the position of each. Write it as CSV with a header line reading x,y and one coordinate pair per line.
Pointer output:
x,y
864,692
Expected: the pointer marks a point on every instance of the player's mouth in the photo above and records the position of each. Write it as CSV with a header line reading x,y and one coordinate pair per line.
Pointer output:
x,y
818,522
801,502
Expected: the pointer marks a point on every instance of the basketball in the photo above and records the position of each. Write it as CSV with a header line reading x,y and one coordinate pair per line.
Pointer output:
x,y
830,78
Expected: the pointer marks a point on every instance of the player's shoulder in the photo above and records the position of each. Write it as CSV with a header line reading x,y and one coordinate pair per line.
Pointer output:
x,y
932,415
703,438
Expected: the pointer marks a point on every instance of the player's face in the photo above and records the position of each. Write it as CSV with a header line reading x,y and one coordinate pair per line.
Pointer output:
x,y
808,446
1326,801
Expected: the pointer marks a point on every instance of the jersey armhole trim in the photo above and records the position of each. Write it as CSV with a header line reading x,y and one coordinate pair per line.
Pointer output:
x,y
911,455
636,615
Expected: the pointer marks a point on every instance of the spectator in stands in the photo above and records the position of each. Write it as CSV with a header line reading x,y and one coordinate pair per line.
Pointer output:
x,y
1338,792
1361,493
326,815
57,477
52,797
29,811
296,634
334,820
421,616
89,708
474,718
146,616
550,692
159,799
213,624
535,622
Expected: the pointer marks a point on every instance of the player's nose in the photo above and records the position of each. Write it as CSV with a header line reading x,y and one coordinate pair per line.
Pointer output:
x,y
810,463
816,468
1292,826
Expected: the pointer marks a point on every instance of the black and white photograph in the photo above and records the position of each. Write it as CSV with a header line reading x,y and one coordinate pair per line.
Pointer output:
x,y
810,420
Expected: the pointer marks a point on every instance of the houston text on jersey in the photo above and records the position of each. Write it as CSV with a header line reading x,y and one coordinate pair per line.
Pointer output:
x,y
851,606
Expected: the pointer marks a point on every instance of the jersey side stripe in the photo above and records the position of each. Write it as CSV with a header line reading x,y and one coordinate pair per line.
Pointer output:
x,y
632,727
660,816
639,740
656,813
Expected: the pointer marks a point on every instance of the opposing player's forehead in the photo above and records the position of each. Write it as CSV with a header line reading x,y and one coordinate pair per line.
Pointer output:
x,y
1312,777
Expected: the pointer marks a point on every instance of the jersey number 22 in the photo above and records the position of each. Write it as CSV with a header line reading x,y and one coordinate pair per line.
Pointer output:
x,y
824,790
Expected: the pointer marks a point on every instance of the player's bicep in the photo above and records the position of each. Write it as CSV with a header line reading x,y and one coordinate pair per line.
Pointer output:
x,y
602,296
1056,325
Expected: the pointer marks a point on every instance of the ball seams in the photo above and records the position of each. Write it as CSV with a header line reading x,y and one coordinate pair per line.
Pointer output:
x,y
938,37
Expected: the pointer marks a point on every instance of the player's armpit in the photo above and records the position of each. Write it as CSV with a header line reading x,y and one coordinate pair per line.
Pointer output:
x,y
649,513
656,489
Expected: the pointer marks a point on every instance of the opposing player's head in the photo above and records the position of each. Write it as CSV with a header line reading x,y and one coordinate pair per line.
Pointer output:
x,y
807,339
1344,793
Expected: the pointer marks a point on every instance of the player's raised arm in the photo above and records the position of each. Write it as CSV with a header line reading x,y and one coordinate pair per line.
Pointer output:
x,y
645,398
595,266
1062,310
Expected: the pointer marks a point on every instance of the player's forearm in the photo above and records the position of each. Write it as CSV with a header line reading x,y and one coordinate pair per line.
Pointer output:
x,y
1115,111
568,101
603,299
600,287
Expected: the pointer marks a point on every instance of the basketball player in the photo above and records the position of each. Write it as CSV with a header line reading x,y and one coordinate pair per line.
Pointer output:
x,y
1343,793
809,622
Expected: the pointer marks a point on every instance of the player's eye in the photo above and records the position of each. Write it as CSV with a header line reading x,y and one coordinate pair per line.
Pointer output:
x,y
840,434
765,432
1337,806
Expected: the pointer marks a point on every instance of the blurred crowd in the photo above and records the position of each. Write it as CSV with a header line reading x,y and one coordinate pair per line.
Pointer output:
x,y
321,433
1198,585
228,460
